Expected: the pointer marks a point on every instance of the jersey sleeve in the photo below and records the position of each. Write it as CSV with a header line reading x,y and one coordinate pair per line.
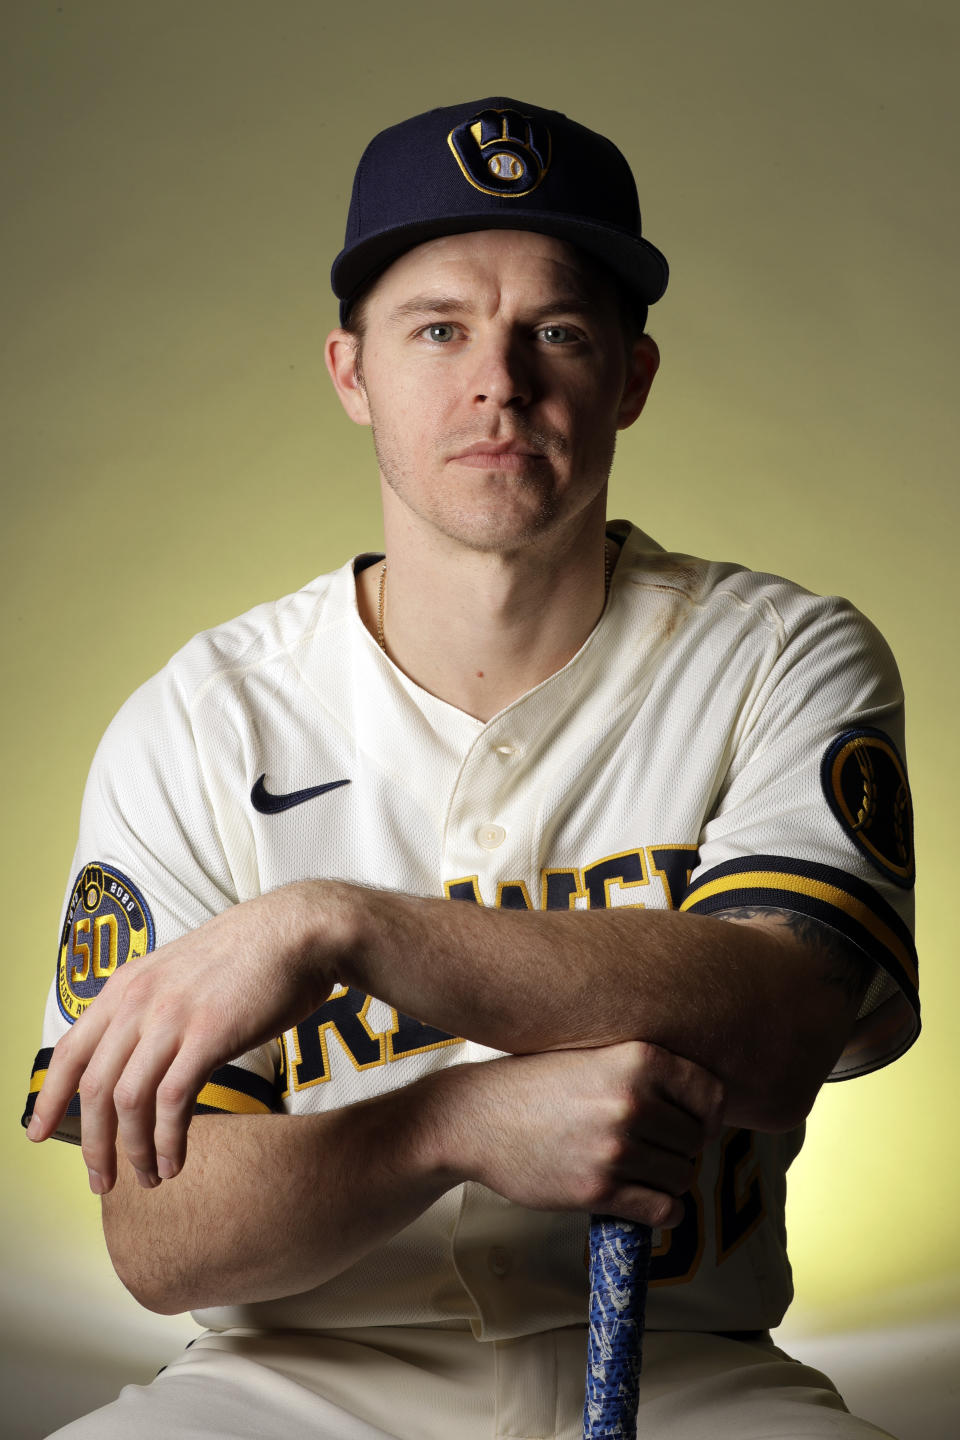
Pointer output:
x,y
814,814
149,865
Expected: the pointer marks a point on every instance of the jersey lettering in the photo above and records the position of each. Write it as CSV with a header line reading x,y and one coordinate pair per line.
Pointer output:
x,y
468,889
739,1197
602,884
625,870
676,1257
344,1017
738,1209
673,865
561,889
412,1037
513,897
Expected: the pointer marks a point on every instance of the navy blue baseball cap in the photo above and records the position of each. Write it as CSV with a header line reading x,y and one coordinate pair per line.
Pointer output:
x,y
494,164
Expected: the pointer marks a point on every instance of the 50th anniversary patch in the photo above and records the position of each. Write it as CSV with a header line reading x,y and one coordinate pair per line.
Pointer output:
x,y
107,923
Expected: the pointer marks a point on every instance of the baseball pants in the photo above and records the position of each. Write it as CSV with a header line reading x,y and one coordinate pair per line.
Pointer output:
x,y
428,1384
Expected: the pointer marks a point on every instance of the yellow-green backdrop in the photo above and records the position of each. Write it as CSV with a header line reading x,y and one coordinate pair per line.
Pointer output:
x,y
175,182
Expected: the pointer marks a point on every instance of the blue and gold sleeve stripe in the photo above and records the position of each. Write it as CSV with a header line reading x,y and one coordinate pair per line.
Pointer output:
x,y
843,901
37,1077
231,1090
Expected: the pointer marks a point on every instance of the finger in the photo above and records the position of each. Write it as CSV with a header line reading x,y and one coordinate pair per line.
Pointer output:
x,y
98,1129
98,1113
659,1170
691,1088
647,1206
176,1098
668,1127
70,1058
135,1100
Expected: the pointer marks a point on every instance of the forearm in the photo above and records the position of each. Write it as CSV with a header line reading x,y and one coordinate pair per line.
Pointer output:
x,y
528,981
350,1179
746,1001
616,1129
760,1004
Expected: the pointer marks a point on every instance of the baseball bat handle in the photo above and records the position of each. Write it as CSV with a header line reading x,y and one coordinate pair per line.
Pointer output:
x,y
619,1267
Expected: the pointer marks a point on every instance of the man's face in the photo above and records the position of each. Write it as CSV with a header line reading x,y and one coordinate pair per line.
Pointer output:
x,y
495,377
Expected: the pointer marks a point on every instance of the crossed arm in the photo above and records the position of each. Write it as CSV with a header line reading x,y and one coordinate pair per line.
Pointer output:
x,y
633,1036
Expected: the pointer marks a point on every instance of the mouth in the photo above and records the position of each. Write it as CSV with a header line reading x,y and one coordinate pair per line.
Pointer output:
x,y
505,455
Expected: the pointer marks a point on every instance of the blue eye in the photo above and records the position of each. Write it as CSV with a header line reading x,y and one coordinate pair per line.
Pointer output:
x,y
556,334
440,333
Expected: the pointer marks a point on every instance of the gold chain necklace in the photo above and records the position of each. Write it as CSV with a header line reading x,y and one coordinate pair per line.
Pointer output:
x,y
382,590
380,598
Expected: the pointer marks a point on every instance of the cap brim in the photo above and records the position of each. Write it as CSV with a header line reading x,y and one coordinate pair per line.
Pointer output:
x,y
637,263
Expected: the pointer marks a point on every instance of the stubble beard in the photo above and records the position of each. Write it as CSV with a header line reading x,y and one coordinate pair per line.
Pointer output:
x,y
498,526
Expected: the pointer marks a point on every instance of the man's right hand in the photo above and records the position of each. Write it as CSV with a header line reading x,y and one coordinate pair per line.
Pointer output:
x,y
150,1040
142,1051
616,1129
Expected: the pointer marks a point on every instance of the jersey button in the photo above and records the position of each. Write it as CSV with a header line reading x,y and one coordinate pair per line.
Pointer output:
x,y
490,836
499,1262
505,751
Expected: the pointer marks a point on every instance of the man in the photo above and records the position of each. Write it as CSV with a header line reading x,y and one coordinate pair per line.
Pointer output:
x,y
605,753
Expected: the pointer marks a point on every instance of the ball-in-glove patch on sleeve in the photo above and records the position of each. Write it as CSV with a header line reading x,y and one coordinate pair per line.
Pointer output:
x,y
866,787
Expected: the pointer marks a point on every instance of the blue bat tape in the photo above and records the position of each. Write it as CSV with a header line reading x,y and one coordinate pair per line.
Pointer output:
x,y
619,1264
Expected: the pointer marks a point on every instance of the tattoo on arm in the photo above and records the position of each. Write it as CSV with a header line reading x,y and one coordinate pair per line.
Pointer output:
x,y
843,964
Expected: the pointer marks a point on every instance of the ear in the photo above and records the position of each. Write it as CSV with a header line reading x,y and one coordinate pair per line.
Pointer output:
x,y
340,353
643,366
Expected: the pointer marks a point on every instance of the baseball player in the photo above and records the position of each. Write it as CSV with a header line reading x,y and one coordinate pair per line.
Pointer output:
x,y
667,795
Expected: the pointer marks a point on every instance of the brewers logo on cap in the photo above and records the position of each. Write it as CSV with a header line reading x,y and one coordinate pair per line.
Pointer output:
x,y
867,789
107,923
502,152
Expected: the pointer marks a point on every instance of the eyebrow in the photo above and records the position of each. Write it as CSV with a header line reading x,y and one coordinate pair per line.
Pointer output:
x,y
567,302
429,305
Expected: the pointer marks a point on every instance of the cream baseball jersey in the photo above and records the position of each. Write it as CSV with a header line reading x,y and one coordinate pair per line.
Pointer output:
x,y
723,738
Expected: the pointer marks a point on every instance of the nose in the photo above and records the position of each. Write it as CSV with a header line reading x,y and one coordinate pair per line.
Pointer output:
x,y
502,375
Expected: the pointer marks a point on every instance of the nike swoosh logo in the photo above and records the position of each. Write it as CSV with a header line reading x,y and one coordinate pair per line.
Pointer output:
x,y
268,804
